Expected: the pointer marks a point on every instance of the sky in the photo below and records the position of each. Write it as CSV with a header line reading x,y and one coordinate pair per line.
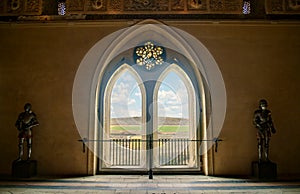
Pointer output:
x,y
126,98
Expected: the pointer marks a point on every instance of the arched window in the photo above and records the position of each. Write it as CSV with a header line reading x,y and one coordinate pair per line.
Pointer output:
x,y
99,71
176,119
149,108
123,119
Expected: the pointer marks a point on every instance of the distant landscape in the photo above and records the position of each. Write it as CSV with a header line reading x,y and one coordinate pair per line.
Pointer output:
x,y
161,121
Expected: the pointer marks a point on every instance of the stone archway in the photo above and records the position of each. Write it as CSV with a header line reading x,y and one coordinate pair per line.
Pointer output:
x,y
105,51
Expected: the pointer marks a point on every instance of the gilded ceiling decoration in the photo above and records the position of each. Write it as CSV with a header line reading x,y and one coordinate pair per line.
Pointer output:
x,y
141,7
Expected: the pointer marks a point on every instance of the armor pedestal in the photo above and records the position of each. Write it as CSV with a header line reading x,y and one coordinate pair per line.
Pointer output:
x,y
264,170
24,168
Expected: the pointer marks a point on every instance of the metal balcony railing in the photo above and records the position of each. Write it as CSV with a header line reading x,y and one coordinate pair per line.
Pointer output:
x,y
170,152
125,152
173,152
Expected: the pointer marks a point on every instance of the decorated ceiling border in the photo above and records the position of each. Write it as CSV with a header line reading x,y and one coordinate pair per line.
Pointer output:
x,y
282,6
154,6
21,7
137,8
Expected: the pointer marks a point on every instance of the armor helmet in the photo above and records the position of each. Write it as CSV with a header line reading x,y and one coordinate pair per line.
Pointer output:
x,y
263,103
27,107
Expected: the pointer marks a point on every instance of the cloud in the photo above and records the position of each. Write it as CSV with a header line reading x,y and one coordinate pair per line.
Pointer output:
x,y
172,100
131,101
138,94
125,97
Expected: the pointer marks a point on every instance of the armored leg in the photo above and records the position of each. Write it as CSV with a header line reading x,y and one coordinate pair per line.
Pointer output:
x,y
260,150
21,152
29,145
267,149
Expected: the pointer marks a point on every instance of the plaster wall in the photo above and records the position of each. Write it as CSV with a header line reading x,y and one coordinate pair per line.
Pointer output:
x,y
38,63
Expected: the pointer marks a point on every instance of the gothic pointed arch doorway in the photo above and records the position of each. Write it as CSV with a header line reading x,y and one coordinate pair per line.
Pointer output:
x,y
175,99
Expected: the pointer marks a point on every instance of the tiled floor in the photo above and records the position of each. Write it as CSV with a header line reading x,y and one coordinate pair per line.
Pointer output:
x,y
160,184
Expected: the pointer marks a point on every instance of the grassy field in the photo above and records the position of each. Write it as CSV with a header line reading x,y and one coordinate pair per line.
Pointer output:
x,y
164,128
125,128
173,128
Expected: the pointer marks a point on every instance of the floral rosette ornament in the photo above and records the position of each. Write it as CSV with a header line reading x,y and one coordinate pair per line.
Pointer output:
x,y
149,55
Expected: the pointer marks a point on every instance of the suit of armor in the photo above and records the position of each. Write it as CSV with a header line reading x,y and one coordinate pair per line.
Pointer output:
x,y
264,124
24,124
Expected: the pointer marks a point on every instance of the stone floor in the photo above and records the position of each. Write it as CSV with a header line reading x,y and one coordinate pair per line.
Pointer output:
x,y
160,184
